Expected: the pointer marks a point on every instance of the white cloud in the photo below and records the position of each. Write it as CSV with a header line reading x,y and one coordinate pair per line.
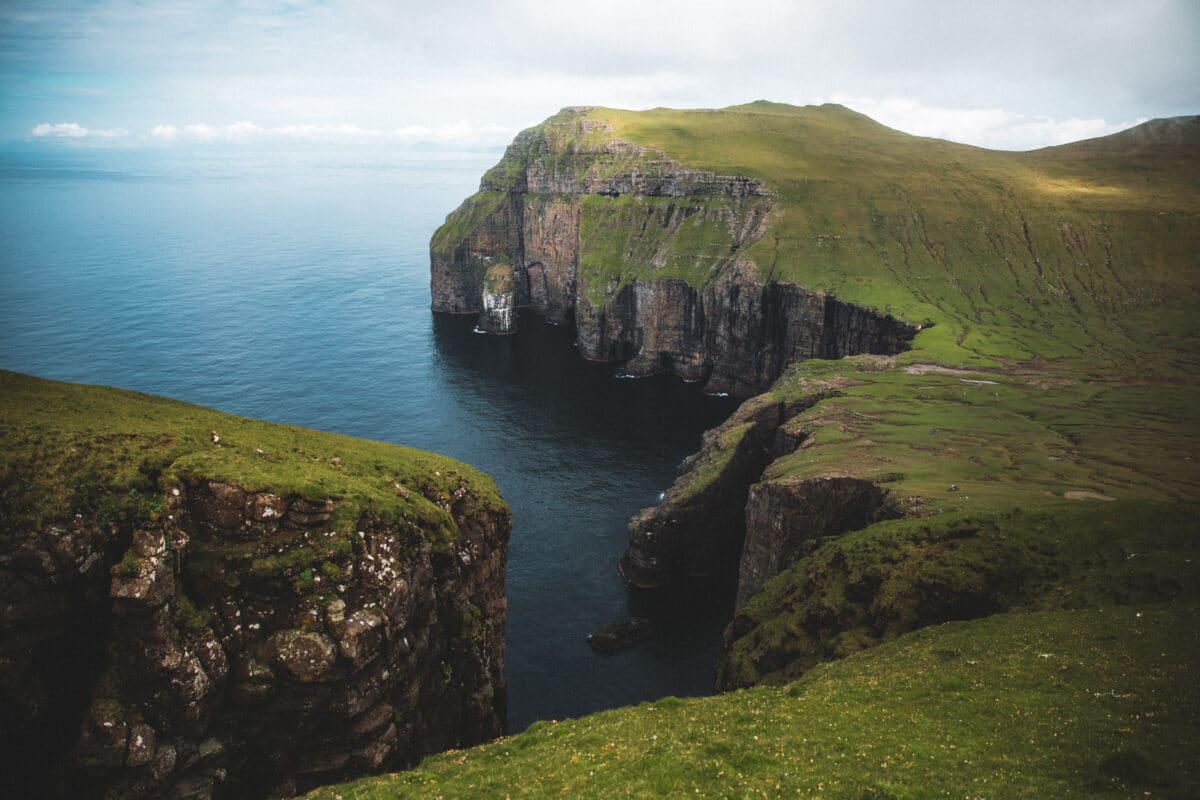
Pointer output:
x,y
985,127
68,130
1021,73
244,131
167,133
73,130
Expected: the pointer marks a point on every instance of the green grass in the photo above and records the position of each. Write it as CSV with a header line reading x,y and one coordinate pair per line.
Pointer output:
x,y
1018,255
67,449
894,577
1068,704
631,237
1013,435
1085,253
462,221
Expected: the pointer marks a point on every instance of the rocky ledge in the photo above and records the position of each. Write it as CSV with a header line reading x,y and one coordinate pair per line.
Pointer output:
x,y
170,631
644,256
718,521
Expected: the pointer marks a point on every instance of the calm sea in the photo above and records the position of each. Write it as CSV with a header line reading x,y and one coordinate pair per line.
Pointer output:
x,y
297,290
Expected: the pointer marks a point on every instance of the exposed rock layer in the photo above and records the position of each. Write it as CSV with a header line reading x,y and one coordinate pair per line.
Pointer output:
x,y
785,517
148,658
698,527
643,254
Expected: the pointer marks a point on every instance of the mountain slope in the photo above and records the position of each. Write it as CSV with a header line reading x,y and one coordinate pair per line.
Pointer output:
x,y
1007,419
1069,704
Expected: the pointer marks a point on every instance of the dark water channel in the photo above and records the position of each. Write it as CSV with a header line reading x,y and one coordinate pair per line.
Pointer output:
x,y
297,291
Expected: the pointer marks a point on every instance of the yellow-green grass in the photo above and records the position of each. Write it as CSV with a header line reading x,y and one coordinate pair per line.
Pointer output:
x,y
1019,435
1069,704
1086,252
68,448
875,584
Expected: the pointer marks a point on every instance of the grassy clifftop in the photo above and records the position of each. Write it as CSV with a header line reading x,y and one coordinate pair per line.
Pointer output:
x,y
1069,704
1084,251
68,448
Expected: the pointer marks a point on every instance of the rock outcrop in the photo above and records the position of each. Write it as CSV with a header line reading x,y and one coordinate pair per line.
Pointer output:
x,y
785,518
697,529
721,519
644,256
219,641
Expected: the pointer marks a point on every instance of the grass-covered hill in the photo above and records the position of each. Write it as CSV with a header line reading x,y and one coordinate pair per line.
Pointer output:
x,y
1039,440
1067,704
70,448
1087,251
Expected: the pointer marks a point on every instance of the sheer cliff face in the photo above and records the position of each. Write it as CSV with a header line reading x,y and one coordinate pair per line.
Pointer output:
x,y
217,678
724,519
644,255
210,640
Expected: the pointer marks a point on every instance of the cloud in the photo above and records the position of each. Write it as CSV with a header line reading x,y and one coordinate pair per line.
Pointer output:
x,y
1016,74
73,130
459,134
985,127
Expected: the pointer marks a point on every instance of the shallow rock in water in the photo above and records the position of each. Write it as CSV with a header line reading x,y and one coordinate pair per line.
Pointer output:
x,y
620,634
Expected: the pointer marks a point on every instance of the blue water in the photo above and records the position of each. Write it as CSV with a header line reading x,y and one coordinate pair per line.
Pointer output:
x,y
297,290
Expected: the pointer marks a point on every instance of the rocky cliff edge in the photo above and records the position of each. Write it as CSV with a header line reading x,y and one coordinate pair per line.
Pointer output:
x,y
644,256
198,605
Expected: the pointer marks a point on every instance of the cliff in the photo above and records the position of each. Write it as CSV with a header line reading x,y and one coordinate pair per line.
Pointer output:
x,y
973,561
728,246
645,256
199,605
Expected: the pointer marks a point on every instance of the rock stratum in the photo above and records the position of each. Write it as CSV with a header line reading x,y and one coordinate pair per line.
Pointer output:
x,y
198,605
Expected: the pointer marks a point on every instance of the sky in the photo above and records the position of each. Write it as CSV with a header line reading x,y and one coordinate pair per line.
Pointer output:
x,y
1007,74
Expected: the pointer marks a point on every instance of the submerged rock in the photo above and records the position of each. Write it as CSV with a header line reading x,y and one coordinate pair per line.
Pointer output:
x,y
621,634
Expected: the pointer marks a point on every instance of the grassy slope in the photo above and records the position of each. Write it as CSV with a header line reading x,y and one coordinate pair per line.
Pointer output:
x,y
1067,276
1061,285
1067,704
875,584
934,230
66,447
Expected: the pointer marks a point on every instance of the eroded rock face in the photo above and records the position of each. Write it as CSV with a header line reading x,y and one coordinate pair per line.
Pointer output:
x,y
697,529
499,312
598,230
700,527
163,661
785,516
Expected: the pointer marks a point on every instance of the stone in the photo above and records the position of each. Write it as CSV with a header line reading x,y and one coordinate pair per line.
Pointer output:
x,y
303,655
141,746
359,634
620,635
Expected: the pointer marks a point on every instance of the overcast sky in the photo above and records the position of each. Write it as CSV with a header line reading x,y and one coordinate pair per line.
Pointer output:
x,y
1014,75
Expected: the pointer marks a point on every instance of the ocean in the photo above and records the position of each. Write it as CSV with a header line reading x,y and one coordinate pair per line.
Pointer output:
x,y
296,289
